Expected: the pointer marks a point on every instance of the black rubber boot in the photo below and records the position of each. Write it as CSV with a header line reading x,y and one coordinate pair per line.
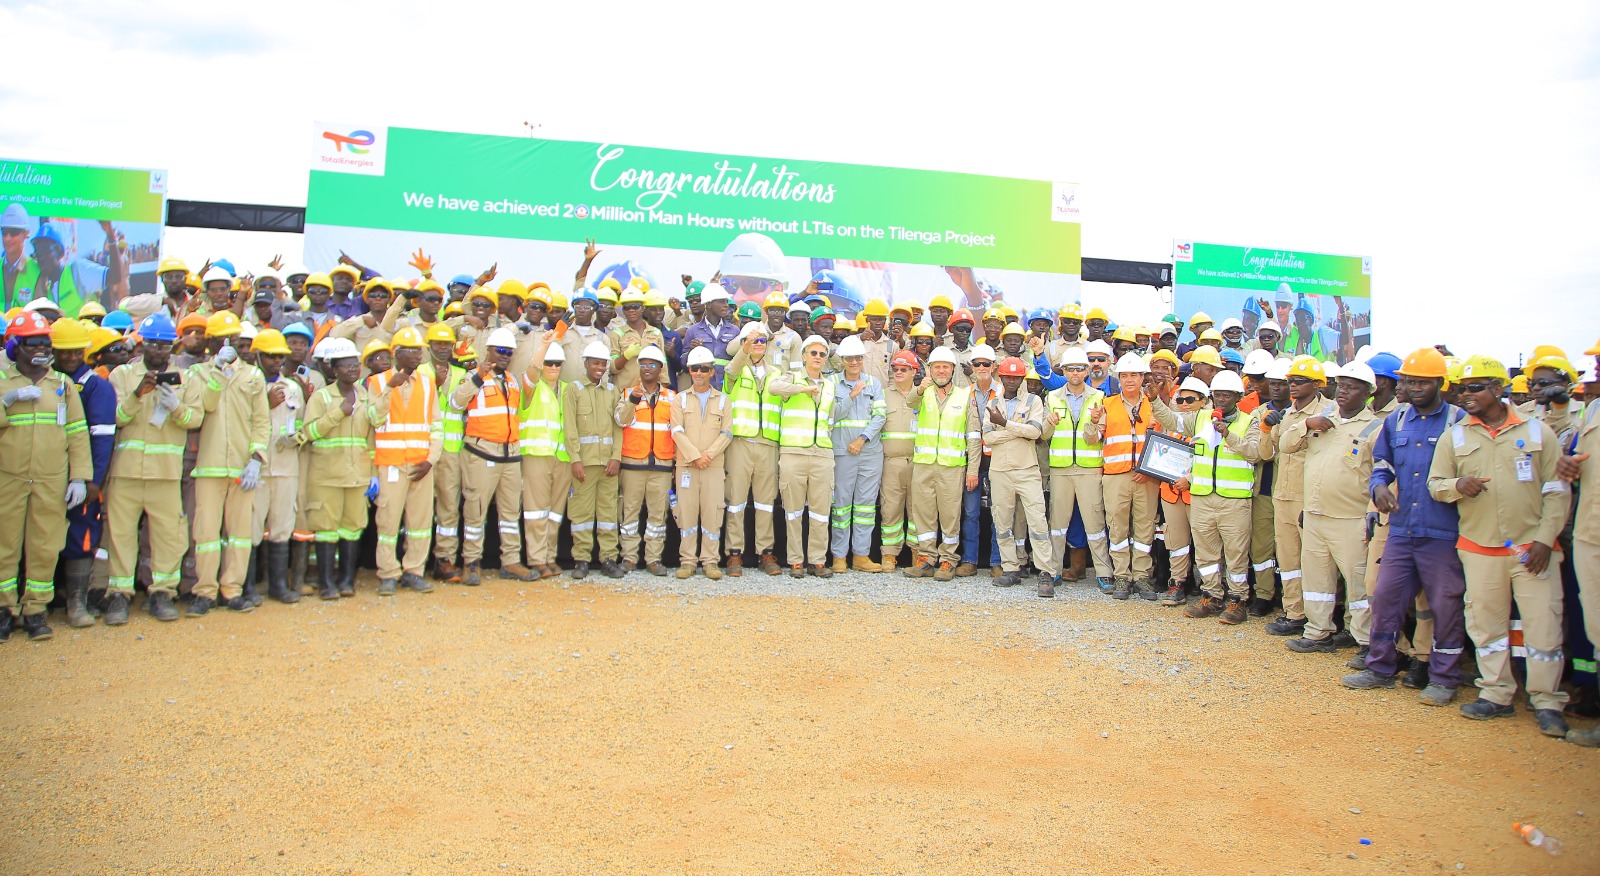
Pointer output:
x,y
7,621
298,551
37,626
251,573
116,613
349,555
327,571
75,573
278,572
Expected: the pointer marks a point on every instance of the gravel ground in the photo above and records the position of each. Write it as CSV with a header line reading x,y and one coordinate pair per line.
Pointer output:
x,y
862,724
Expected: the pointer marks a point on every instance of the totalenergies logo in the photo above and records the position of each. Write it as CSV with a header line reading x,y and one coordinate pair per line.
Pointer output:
x,y
355,140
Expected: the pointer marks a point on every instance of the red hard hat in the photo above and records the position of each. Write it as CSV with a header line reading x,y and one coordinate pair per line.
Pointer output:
x,y
904,358
962,315
1013,367
28,324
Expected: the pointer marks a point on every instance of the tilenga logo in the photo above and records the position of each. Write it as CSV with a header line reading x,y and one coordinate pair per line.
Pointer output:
x,y
356,140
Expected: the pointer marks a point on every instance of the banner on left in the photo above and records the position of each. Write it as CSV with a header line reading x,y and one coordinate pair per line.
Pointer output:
x,y
75,233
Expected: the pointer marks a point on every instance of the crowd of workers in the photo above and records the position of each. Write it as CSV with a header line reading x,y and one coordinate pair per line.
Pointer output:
x,y
222,431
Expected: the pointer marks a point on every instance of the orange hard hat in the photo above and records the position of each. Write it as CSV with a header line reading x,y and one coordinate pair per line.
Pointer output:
x,y
904,358
962,315
1426,362
1011,366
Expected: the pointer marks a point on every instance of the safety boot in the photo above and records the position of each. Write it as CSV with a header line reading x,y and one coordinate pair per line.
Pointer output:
x,y
1206,607
713,572
840,565
328,571
75,573
966,570
278,573
1235,613
1175,595
946,572
1146,590
415,582
864,564
735,565
686,571
38,628
1123,589
160,606
472,576
769,563
1416,676
298,551
116,613
349,558
1077,565
889,562
517,572
250,573
7,620
448,572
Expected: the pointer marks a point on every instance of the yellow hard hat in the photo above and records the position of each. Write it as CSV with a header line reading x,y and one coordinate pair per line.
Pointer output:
x,y
452,309
511,288
1169,356
171,263
1594,350
844,323
778,300
608,283
1452,369
1519,384
1013,328
429,285
69,334
1555,363
912,306
1123,333
1008,310
901,307
440,331
995,314
1482,367
1097,313
540,292
271,342
922,330
1302,366
193,282
407,337
1544,350
639,283
319,279
558,300
1204,355
91,308
346,269
631,295
1031,374
1071,311
377,283
222,324
376,345
655,298
1200,318
1426,362
1210,335
875,307
486,294
941,301
100,338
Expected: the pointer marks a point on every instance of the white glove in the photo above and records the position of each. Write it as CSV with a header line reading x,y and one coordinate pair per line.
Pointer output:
x,y
76,494
21,393
252,475
166,397
226,355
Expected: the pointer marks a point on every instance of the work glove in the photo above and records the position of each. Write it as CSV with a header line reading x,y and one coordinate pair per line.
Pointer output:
x,y
631,351
226,355
372,489
1372,524
166,398
252,475
1273,418
76,494
524,326
21,393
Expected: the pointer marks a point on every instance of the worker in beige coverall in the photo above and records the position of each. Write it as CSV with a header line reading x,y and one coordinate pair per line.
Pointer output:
x,y
1010,426
1306,379
701,422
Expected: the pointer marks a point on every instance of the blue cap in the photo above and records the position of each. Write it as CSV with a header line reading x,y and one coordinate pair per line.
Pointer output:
x,y
462,279
158,327
301,329
119,320
1231,355
1385,365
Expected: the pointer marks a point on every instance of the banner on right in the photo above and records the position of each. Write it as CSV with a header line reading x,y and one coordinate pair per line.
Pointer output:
x,y
1321,303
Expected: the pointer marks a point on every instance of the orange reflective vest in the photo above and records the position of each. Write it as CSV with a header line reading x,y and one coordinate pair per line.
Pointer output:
x,y
405,437
492,414
650,433
1124,439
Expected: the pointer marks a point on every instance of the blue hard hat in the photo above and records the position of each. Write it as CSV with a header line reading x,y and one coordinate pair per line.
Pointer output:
x,y
120,320
1111,327
462,279
158,327
49,233
1043,313
1385,365
1305,305
226,266
587,295
846,296
301,329
1231,355
624,273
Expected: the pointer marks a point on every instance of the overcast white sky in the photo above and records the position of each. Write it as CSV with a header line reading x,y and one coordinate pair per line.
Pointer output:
x,y
1457,144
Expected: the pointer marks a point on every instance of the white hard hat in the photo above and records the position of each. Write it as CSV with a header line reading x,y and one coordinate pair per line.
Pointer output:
x,y
297,271
214,273
597,350
1330,370
501,337
1195,384
701,356
753,328
1100,347
800,307
1132,363
1366,352
1073,356
268,272
981,351
653,353
1258,362
852,346
1167,328
1278,370
247,330
555,353
1357,371
39,304
815,341
1230,323
942,354
1227,381
15,216
713,292
753,255
337,348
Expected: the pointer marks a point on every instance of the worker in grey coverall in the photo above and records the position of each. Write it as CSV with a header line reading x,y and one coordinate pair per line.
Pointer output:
x,y
859,412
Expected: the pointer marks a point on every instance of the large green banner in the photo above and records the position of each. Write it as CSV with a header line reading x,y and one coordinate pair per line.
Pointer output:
x,y
385,191
1318,304
75,234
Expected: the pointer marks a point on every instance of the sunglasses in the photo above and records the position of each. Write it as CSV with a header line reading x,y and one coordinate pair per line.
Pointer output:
x,y
1300,381
502,351
16,232
758,340
1100,359
1188,399
701,368
818,353
978,364
1543,382
433,299
902,368
1075,368
38,341
633,307
1476,388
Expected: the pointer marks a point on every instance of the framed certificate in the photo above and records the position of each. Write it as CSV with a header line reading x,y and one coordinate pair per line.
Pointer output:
x,y
1165,458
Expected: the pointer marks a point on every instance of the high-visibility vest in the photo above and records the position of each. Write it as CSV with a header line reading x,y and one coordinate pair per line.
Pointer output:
x,y
543,421
942,429
650,433
1218,469
1124,439
804,420
404,439
492,413
1068,447
65,296
755,409
453,423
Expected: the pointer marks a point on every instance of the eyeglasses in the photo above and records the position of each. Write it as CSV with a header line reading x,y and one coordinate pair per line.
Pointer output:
x,y
1476,388
1188,399
818,353
701,368
902,368
1543,382
980,364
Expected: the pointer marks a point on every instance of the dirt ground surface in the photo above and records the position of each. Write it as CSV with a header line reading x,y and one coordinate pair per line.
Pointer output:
x,y
603,727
